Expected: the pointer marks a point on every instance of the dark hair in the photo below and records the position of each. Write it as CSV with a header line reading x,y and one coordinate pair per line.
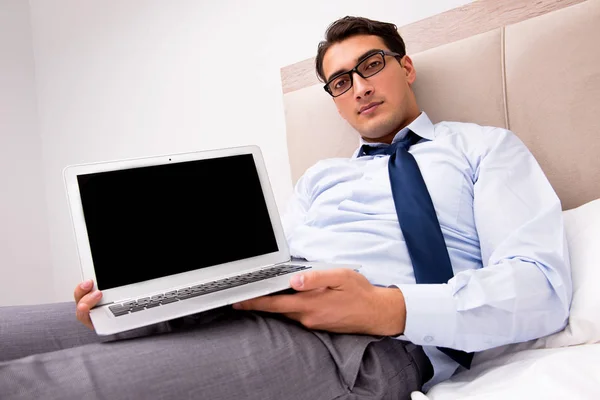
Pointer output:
x,y
347,27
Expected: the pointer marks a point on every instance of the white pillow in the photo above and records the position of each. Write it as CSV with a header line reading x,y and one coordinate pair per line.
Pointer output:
x,y
583,236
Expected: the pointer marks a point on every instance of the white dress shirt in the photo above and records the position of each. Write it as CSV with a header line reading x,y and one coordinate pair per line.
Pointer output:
x,y
501,220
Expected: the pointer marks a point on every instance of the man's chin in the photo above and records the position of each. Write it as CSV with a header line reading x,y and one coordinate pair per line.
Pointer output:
x,y
370,139
377,130
375,134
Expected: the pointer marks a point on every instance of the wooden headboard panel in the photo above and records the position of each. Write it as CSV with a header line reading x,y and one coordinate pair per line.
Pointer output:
x,y
529,66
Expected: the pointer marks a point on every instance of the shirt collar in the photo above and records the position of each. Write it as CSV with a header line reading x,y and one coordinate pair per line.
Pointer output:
x,y
422,126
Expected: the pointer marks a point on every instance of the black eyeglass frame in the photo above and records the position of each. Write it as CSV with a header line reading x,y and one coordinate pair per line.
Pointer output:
x,y
355,69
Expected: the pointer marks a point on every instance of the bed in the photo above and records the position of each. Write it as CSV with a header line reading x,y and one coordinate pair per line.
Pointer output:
x,y
532,67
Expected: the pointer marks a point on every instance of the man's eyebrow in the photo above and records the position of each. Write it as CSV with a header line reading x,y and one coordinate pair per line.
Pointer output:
x,y
358,60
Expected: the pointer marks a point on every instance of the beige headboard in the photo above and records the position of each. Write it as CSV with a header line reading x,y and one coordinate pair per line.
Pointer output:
x,y
530,66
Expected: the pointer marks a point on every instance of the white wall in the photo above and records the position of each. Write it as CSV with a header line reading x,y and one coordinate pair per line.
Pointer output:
x,y
25,269
141,77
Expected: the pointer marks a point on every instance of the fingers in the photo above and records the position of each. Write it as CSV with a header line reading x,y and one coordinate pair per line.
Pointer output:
x,y
82,289
83,315
84,306
285,303
86,300
332,278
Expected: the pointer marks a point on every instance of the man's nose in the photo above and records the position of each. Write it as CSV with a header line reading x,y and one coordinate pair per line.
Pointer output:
x,y
362,87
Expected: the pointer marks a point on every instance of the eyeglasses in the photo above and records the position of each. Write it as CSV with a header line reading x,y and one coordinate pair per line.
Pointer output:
x,y
369,66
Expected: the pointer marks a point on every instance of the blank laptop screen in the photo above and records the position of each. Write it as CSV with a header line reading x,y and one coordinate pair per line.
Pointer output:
x,y
150,222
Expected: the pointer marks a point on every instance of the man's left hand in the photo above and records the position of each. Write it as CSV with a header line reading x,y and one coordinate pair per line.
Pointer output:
x,y
337,300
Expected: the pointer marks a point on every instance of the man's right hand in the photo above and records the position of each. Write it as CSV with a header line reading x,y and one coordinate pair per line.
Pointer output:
x,y
86,299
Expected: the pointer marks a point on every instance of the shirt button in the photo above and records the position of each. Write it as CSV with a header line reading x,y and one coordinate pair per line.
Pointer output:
x,y
428,339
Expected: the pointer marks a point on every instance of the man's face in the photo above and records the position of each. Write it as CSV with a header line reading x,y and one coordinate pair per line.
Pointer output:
x,y
379,106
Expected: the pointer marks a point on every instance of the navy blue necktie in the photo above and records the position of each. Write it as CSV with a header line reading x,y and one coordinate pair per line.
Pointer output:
x,y
418,221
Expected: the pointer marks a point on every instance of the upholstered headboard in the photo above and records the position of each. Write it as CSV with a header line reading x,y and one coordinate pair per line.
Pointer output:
x,y
530,66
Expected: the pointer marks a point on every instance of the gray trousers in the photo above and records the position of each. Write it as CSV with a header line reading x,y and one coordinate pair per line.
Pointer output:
x,y
45,353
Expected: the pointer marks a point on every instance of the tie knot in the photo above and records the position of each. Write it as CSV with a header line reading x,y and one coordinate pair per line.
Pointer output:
x,y
404,144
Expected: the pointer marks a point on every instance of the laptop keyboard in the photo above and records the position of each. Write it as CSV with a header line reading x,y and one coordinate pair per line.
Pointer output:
x,y
145,303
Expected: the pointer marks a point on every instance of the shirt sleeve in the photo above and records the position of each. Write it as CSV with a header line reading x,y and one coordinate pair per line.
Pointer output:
x,y
524,289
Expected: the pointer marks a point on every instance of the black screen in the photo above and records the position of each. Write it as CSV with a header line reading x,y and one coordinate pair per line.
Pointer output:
x,y
150,222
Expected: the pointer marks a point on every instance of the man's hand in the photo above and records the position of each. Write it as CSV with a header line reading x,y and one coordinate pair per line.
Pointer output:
x,y
337,300
85,300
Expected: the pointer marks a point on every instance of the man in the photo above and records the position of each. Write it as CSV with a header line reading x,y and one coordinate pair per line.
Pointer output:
x,y
347,335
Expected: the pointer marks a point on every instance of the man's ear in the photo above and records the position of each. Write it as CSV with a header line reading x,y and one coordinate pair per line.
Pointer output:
x,y
409,69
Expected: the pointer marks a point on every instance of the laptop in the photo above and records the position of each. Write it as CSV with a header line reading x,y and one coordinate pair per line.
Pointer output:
x,y
168,236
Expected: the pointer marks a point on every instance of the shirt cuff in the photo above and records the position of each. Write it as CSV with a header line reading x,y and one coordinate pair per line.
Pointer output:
x,y
430,314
